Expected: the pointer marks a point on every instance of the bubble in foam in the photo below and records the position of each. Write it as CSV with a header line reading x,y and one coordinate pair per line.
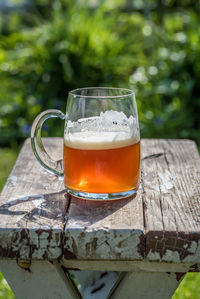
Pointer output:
x,y
109,130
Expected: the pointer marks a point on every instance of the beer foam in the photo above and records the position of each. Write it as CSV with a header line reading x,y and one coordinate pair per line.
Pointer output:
x,y
112,129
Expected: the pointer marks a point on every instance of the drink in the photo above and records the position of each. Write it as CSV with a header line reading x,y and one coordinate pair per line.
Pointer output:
x,y
101,156
101,162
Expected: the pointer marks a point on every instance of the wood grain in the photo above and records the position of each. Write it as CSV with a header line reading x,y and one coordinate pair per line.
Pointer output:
x,y
171,199
104,230
160,224
32,208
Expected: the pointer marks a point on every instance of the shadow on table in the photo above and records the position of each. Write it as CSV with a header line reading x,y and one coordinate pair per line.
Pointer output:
x,y
51,206
87,212
56,205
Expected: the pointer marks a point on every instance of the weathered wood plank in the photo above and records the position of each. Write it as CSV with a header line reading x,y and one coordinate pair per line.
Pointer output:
x,y
32,208
43,279
169,193
171,198
147,285
104,230
160,223
130,266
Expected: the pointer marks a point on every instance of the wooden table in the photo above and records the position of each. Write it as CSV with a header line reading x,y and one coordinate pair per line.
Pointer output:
x,y
147,243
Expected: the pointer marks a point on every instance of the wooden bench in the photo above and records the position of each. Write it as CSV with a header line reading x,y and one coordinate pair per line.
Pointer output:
x,y
140,247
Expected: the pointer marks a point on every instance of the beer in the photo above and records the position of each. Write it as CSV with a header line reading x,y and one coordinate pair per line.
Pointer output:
x,y
101,162
101,143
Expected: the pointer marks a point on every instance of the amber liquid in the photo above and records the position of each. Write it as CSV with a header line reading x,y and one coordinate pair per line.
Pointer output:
x,y
102,170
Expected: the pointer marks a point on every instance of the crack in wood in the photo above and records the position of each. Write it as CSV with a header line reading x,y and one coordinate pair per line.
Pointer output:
x,y
157,155
143,201
168,167
160,195
164,221
68,254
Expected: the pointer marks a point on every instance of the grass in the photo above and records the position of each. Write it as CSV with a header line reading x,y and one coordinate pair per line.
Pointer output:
x,y
189,288
8,157
5,291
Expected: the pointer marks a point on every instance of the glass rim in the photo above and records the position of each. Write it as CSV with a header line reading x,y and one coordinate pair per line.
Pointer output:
x,y
128,92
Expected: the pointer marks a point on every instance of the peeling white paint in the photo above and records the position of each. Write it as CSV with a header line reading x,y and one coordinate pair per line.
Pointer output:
x,y
195,252
167,181
193,247
38,202
12,180
169,256
103,244
42,244
155,256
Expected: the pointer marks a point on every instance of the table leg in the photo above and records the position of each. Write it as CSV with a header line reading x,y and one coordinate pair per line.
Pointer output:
x,y
40,279
44,279
97,284
144,285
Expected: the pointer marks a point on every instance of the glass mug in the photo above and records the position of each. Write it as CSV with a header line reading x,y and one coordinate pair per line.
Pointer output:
x,y
101,156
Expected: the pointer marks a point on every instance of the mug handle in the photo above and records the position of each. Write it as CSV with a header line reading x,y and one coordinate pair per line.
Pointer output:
x,y
54,167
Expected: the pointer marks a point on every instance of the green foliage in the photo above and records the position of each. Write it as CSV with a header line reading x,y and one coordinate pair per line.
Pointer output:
x,y
58,46
8,157
189,287
168,88
6,164
41,64
5,291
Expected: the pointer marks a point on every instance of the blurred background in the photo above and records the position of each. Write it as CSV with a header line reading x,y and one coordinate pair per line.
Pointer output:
x,y
48,47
